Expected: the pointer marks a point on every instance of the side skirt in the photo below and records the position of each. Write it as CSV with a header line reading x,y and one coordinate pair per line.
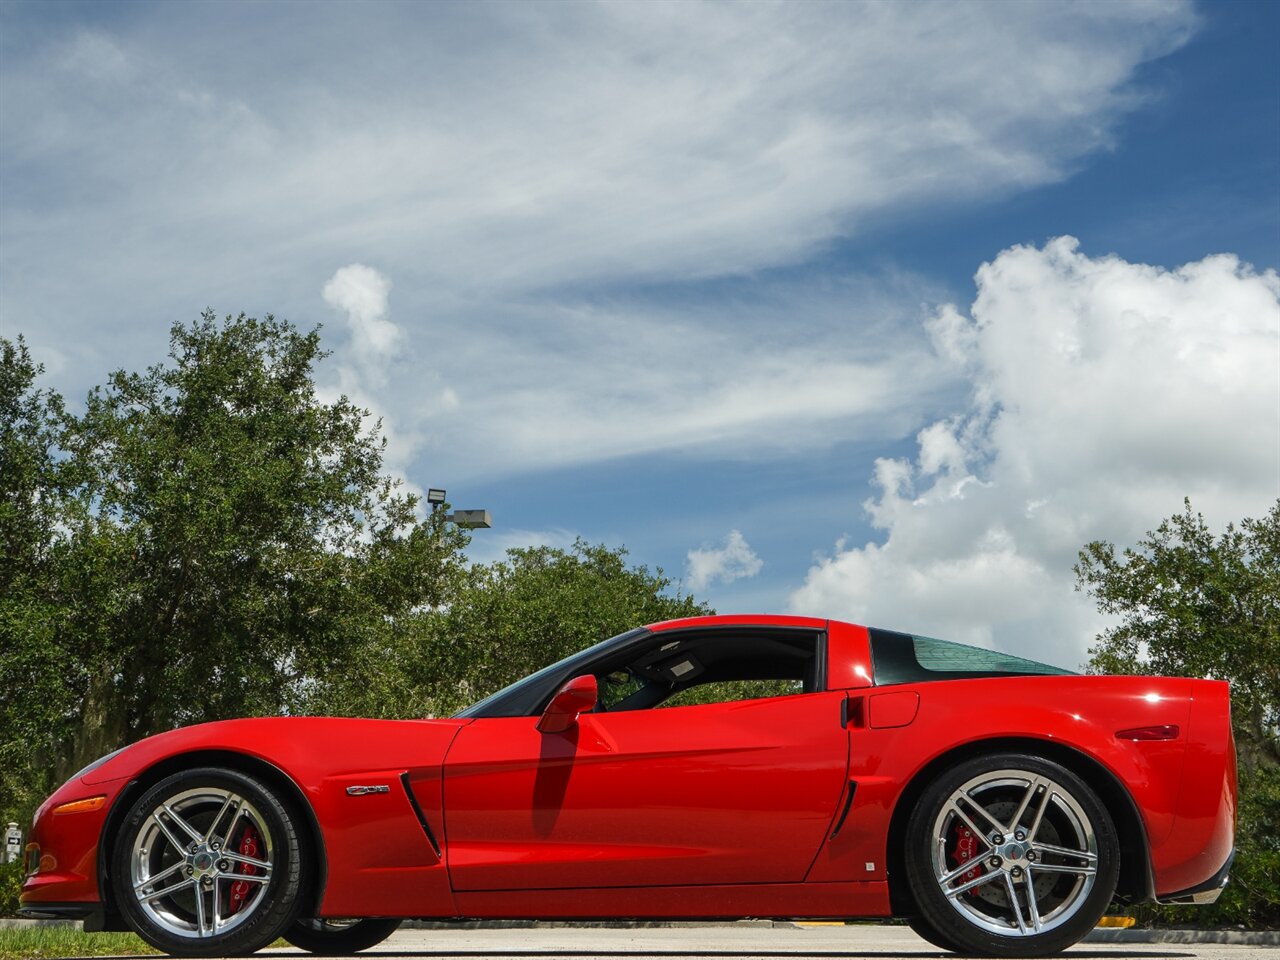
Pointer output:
x,y
734,901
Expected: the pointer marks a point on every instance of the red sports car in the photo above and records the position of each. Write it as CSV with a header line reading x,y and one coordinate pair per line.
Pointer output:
x,y
718,767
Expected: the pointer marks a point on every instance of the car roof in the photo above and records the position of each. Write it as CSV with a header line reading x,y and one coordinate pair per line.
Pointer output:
x,y
741,619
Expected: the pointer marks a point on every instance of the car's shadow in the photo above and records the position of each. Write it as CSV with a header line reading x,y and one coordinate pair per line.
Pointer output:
x,y
695,954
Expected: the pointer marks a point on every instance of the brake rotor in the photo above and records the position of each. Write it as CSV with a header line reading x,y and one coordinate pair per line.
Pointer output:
x,y
993,893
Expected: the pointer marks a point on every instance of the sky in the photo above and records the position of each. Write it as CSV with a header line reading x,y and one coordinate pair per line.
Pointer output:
x,y
873,311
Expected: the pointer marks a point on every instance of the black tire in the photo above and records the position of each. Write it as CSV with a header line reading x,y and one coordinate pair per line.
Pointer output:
x,y
1055,873
330,938
925,931
189,846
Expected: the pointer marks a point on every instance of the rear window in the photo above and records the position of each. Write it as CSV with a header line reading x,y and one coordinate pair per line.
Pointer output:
x,y
906,658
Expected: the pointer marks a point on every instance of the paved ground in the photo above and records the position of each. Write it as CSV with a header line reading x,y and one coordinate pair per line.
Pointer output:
x,y
742,942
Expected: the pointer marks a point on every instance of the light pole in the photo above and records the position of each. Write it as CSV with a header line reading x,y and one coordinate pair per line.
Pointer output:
x,y
466,519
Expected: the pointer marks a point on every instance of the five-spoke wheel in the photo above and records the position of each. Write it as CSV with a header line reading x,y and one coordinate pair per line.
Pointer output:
x,y
1010,856
208,863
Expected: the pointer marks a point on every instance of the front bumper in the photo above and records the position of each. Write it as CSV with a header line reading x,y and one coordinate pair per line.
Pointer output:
x,y
91,913
62,868
1206,892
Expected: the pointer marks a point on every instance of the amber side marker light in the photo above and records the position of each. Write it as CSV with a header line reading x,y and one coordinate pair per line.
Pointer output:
x,y
1121,922
79,806
1167,731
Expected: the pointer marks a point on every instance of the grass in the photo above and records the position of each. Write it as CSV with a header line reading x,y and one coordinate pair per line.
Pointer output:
x,y
47,943
39,943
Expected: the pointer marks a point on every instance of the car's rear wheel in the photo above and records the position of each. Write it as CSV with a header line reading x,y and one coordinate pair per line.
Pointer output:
x,y
208,863
1010,856
329,938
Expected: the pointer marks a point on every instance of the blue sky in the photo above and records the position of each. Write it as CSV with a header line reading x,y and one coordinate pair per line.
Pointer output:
x,y
703,279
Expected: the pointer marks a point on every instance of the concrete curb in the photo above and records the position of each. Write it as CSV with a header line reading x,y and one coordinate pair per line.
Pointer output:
x,y
582,924
1256,938
17,923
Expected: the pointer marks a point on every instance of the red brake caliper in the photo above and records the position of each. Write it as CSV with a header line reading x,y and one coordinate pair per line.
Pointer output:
x,y
965,849
240,888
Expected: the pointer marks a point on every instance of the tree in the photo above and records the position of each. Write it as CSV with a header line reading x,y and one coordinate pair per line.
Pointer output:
x,y
1193,604
225,538
34,664
506,620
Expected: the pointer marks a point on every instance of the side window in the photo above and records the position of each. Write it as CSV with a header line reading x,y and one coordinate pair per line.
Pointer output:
x,y
713,666
906,658
726,691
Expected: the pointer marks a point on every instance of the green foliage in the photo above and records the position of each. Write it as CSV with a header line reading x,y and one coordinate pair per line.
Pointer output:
x,y
10,886
506,620
1193,604
37,674
728,691
46,943
541,604
209,540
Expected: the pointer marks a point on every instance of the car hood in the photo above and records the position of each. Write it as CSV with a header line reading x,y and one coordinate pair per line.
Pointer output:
x,y
315,744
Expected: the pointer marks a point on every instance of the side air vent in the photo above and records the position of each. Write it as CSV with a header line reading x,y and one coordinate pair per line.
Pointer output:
x,y
848,804
422,817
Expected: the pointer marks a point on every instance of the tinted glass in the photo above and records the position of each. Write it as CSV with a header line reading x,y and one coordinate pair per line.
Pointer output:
x,y
905,658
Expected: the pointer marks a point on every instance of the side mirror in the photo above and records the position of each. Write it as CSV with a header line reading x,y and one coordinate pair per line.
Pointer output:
x,y
577,696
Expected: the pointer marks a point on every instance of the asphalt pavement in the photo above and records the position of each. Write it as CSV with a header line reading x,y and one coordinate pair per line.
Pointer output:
x,y
741,942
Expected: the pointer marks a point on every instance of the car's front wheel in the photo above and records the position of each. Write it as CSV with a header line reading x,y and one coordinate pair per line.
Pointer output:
x,y
1010,855
330,938
208,863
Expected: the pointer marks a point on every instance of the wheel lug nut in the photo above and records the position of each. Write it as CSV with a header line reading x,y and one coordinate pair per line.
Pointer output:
x,y
1031,855
1019,835
995,861
996,838
223,865
191,871
1017,871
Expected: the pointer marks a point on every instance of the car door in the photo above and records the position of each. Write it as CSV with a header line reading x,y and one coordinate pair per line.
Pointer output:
x,y
718,793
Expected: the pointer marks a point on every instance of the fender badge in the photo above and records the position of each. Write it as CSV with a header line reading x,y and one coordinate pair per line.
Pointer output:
x,y
361,791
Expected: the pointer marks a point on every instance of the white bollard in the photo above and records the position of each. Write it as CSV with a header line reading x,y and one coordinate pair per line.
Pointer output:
x,y
12,843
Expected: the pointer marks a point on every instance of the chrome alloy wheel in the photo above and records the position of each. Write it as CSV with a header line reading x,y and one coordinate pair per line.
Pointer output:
x,y
187,867
1014,853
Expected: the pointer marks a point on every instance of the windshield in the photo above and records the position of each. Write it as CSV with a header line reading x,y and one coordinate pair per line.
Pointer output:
x,y
525,697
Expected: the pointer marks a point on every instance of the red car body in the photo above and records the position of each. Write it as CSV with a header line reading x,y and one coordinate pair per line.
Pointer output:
x,y
789,806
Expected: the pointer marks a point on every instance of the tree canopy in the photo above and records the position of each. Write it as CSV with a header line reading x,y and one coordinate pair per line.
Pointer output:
x,y
210,538
207,539
504,620
1192,603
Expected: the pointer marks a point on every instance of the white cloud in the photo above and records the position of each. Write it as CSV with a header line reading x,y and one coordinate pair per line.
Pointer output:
x,y
361,292
511,147
734,560
1103,392
512,166
787,369
362,367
